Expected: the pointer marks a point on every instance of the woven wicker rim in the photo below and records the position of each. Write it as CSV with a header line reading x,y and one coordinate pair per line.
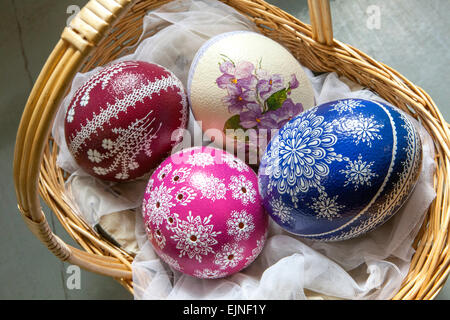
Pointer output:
x,y
104,29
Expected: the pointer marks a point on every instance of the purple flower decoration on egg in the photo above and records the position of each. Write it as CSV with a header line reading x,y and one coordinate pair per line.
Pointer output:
x,y
238,98
256,98
293,84
288,110
239,75
255,118
269,84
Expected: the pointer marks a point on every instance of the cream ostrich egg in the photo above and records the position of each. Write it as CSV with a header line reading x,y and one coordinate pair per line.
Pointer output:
x,y
245,80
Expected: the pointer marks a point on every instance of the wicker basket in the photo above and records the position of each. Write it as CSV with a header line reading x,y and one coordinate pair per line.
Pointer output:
x,y
102,31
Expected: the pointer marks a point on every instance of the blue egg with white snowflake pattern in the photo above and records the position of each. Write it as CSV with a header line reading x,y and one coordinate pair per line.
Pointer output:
x,y
340,169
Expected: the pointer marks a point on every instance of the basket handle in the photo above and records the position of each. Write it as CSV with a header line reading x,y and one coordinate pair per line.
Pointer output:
x,y
76,43
321,24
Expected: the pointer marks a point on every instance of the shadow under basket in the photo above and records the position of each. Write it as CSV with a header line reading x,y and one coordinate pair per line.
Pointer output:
x,y
104,29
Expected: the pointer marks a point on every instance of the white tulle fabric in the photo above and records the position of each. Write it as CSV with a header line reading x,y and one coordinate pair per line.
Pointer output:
x,y
369,267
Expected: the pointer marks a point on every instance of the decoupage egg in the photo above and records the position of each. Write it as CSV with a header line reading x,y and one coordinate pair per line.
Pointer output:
x,y
203,214
341,169
124,120
244,80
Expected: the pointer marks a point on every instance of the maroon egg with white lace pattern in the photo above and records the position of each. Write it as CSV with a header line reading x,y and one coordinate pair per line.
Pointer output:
x,y
125,120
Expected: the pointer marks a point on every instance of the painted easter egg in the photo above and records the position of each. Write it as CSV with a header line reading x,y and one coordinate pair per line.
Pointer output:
x,y
241,82
340,169
203,214
125,119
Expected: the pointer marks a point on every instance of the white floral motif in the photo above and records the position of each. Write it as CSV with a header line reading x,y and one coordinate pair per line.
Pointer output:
x,y
234,163
180,175
164,172
346,105
326,207
280,210
100,171
159,203
122,176
70,115
94,156
358,173
242,189
201,159
107,144
299,155
209,274
211,187
362,129
133,165
229,256
172,219
185,195
195,237
240,225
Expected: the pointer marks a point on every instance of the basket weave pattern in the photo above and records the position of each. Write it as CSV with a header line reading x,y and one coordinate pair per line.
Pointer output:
x,y
105,29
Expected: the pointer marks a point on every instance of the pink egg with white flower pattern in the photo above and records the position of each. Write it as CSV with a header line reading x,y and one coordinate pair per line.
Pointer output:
x,y
203,214
125,119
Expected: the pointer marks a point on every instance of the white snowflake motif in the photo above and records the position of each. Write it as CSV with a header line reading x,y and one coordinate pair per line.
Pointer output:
x,y
94,156
185,195
300,154
240,225
164,172
280,210
159,203
234,163
242,189
180,175
209,274
362,129
346,105
358,173
195,237
211,187
257,250
201,159
171,220
160,239
229,256
326,207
